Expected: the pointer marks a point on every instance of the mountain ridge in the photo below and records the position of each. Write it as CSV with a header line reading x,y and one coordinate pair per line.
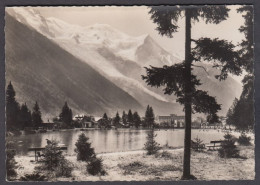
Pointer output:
x,y
122,58
42,71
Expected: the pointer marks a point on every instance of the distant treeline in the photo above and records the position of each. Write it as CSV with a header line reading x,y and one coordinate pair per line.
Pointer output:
x,y
19,116
130,119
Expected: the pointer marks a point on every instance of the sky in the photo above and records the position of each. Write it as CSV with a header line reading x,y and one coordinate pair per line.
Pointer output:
x,y
135,21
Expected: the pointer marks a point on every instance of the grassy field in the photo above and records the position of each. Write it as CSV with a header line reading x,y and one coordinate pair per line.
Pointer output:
x,y
166,165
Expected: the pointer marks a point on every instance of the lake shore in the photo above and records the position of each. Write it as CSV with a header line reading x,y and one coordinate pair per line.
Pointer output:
x,y
137,166
114,140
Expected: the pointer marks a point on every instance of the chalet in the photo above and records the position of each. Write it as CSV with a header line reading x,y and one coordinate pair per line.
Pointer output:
x,y
85,121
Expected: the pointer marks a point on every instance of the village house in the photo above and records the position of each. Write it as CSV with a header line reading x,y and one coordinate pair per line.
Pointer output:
x,y
172,120
85,121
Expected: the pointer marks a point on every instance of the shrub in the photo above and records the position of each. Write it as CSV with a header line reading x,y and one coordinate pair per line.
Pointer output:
x,y
33,177
95,167
143,169
132,167
158,170
83,149
11,164
244,140
165,155
135,164
64,168
151,146
228,148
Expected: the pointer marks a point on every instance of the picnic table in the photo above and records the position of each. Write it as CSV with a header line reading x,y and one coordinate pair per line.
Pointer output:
x,y
37,150
216,144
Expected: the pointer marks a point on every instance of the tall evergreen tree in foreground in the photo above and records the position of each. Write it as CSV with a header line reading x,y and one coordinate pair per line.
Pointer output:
x,y
12,108
36,115
243,112
178,78
66,114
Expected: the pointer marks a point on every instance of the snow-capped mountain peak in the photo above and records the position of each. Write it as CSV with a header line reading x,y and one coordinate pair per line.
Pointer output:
x,y
89,43
96,35
119,57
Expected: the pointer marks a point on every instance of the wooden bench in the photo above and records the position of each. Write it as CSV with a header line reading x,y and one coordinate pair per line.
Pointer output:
x,y
37,151
214,144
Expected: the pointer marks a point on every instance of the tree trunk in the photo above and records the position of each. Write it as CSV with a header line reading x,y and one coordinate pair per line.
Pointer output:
x,y
187,106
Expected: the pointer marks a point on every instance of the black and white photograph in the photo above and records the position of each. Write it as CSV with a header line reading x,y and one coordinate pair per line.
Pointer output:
x,y
129,93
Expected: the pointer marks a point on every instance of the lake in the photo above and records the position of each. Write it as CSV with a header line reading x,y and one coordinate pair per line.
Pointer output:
x,y
111,140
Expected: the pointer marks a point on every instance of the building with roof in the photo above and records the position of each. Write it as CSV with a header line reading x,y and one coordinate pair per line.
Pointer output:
x,y
172,120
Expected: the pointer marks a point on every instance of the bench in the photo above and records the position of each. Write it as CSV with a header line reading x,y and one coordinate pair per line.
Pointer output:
x,y
37,150
214,144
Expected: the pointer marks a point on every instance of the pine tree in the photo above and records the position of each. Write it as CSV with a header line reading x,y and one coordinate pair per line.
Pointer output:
x,y
36,115
105,116
130,117
124,118
25,117
243,119
52,155
105,121
151,114
83,149
136,119
55,161
247,45
149,117
117,119
230,114
151,146
243,112
178,78
66,115
12,108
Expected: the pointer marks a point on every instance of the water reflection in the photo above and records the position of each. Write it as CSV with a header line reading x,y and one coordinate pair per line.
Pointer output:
x,y
111,140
